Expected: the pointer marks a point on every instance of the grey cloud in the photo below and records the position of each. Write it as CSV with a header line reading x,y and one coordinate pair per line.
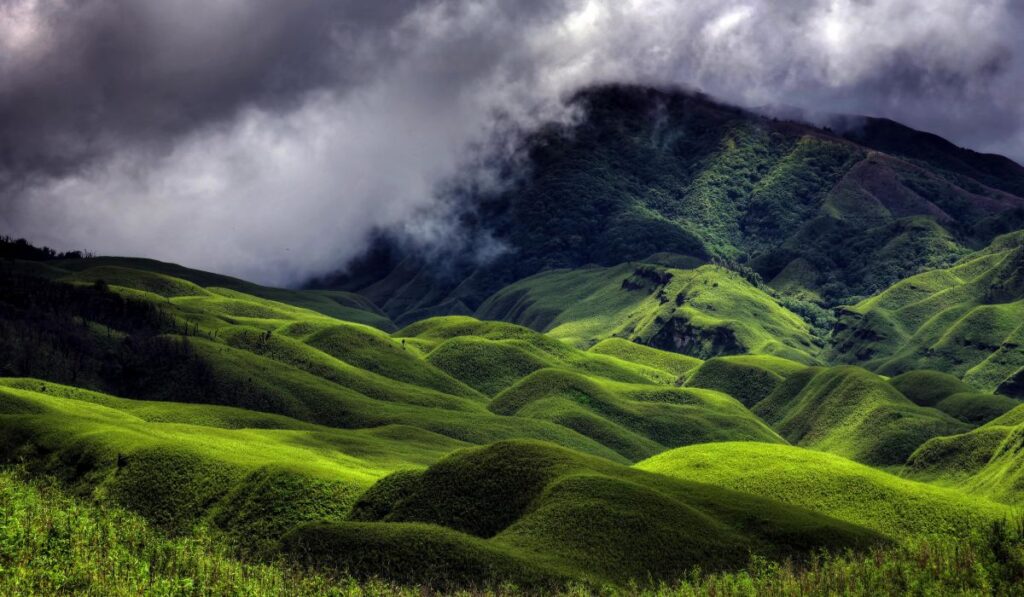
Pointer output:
x,y
268,138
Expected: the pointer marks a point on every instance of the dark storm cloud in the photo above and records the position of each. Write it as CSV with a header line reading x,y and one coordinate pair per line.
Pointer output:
x,y
266,138
79,78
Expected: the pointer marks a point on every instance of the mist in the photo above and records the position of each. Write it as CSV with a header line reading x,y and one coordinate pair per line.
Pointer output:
x,y
268,139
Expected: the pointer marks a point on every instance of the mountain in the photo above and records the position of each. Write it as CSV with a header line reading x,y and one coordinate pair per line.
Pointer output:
x,y
647,171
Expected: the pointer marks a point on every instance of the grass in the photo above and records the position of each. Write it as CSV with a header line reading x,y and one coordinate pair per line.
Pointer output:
x,y
634,420
677,364
577,515
853,413
346,306
964,320
748,378
465,452
952,396
833,486
655,306
985,461
159,460
54,544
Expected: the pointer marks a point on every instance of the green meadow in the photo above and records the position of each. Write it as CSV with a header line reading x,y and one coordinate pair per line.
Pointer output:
x,y
635,429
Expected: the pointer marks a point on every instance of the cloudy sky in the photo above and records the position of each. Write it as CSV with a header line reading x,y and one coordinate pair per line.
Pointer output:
x,y
266,138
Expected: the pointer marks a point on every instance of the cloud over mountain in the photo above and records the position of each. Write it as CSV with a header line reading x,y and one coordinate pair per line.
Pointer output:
x,y
267,138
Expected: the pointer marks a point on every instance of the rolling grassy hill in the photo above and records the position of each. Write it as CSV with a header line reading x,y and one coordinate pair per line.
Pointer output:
x,y
347,306
831,485
965,320
985,461
853,413
542,512
463,452
635,420
704,312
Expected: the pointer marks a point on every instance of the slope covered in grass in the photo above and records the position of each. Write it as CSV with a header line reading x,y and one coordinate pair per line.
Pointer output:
x,y
634,352
347,306
830,485
558,510
748,378
703,312
986,461
965,320
853,413
634,420
491,356
952,396
250,474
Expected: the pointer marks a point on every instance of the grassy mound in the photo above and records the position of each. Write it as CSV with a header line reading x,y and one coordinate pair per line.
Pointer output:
x,y
977,408
853,413
486,365
674,363
634,420
928,388
748,378
591,518
952,396
703,312
830,485
493,355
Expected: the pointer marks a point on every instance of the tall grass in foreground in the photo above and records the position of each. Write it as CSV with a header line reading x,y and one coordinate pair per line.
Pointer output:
x,y
51,543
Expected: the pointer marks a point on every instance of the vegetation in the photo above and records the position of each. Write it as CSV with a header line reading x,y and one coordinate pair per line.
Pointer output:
x,y
703,312
964,320
647,391
853,413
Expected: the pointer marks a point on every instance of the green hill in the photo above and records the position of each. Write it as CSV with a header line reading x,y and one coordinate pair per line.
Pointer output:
x,y
703,312
490,512
986,461
347,306
254,475
673,363
830,485
952,396
965,320
853,413
634,420
748,378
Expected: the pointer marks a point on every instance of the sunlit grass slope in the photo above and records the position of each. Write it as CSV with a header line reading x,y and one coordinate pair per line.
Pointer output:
x,y
702,312
853,413
830,485
523,505
347,306
986,461
967,320
252,474
634,352
634,420
491,356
